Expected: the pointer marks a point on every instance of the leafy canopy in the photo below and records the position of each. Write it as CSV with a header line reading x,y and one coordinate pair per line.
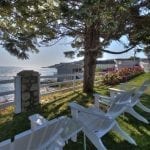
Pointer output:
x,y
27,24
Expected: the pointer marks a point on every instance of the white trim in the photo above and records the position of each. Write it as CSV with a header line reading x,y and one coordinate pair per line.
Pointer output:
x,y
17,94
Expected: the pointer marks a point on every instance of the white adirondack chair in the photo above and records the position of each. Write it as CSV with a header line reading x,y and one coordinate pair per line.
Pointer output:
x,y
137,94
123,102
69,125
39,139
125,87
116,105
46,135
95,125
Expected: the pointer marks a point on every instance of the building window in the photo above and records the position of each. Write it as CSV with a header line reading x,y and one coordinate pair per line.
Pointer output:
x,y
75,70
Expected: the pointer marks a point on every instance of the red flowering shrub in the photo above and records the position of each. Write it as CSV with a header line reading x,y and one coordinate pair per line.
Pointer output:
x,y
121,75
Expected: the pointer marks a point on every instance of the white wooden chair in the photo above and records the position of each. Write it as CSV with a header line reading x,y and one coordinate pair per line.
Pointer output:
x,y
69,125
95,125
115,107
125,86
138,92
45,135
38,139
123,102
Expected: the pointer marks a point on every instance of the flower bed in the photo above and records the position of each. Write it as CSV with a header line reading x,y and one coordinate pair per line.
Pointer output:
x,y
122,75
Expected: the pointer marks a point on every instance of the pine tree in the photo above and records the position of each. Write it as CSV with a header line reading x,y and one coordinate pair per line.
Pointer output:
x,y
93,24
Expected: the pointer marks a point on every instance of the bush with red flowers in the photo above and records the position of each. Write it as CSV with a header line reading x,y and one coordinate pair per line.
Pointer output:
x,y
121,75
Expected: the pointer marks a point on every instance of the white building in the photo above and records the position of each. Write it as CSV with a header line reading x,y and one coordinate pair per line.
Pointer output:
x,y
105,65
68,68
122,63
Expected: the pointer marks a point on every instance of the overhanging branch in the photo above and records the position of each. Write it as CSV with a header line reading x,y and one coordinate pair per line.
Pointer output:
x,y
112,52
74,30
99,48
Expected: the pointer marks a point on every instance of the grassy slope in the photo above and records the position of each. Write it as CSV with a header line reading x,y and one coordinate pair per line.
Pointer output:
x,y
56,105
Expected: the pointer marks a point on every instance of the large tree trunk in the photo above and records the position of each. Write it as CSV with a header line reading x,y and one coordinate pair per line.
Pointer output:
x,y
91,42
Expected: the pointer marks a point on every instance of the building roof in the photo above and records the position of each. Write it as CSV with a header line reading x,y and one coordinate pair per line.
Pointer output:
x,y
109,61
127,59
76,63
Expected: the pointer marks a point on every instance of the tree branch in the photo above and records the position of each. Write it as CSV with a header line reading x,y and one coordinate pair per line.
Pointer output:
x,y
112,52
76,31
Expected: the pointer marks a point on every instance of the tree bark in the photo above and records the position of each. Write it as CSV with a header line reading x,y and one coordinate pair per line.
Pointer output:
x,y
91,41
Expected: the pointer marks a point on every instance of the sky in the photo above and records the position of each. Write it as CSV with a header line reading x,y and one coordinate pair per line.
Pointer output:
x,y
52,55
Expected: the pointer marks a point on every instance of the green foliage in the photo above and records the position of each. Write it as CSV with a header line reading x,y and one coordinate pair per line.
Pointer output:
x,y
122,75
94,24
98,69
25,25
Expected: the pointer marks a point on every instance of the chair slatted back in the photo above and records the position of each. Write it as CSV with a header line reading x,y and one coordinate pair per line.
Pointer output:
x,y
71,128
55,127
5,145
22,140
138,93
37,136
50,131
42,136
119,104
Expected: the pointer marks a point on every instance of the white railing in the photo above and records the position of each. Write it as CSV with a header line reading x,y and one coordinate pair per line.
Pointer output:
x,y
7,81
62,75
54,86
146,66
5,93
48,85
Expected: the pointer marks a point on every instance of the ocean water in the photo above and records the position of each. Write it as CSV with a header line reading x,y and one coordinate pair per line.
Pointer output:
x,y
7,73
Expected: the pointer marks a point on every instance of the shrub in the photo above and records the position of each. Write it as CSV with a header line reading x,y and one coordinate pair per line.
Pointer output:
x,y
121,75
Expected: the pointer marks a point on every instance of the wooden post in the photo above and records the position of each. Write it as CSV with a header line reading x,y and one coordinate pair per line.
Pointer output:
x,y
17,94
74,78
27,90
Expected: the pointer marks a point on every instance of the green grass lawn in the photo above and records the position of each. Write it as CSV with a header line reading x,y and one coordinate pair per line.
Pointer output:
x,y
55,105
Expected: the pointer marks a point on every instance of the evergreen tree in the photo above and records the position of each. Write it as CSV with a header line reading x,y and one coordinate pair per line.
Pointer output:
x,y
93,24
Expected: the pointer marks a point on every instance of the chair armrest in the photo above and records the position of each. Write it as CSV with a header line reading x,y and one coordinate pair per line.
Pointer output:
x,y
101,96
123,103
125,86
101,99
80,108
37,120
116,90
105,97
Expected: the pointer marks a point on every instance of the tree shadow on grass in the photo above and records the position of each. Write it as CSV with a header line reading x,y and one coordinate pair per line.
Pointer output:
x,y
59,99
18,123
57,109
113,144
108,141
139,131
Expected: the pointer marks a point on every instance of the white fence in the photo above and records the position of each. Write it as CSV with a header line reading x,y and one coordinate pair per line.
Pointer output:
x,y
6,103
48,84
145,66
